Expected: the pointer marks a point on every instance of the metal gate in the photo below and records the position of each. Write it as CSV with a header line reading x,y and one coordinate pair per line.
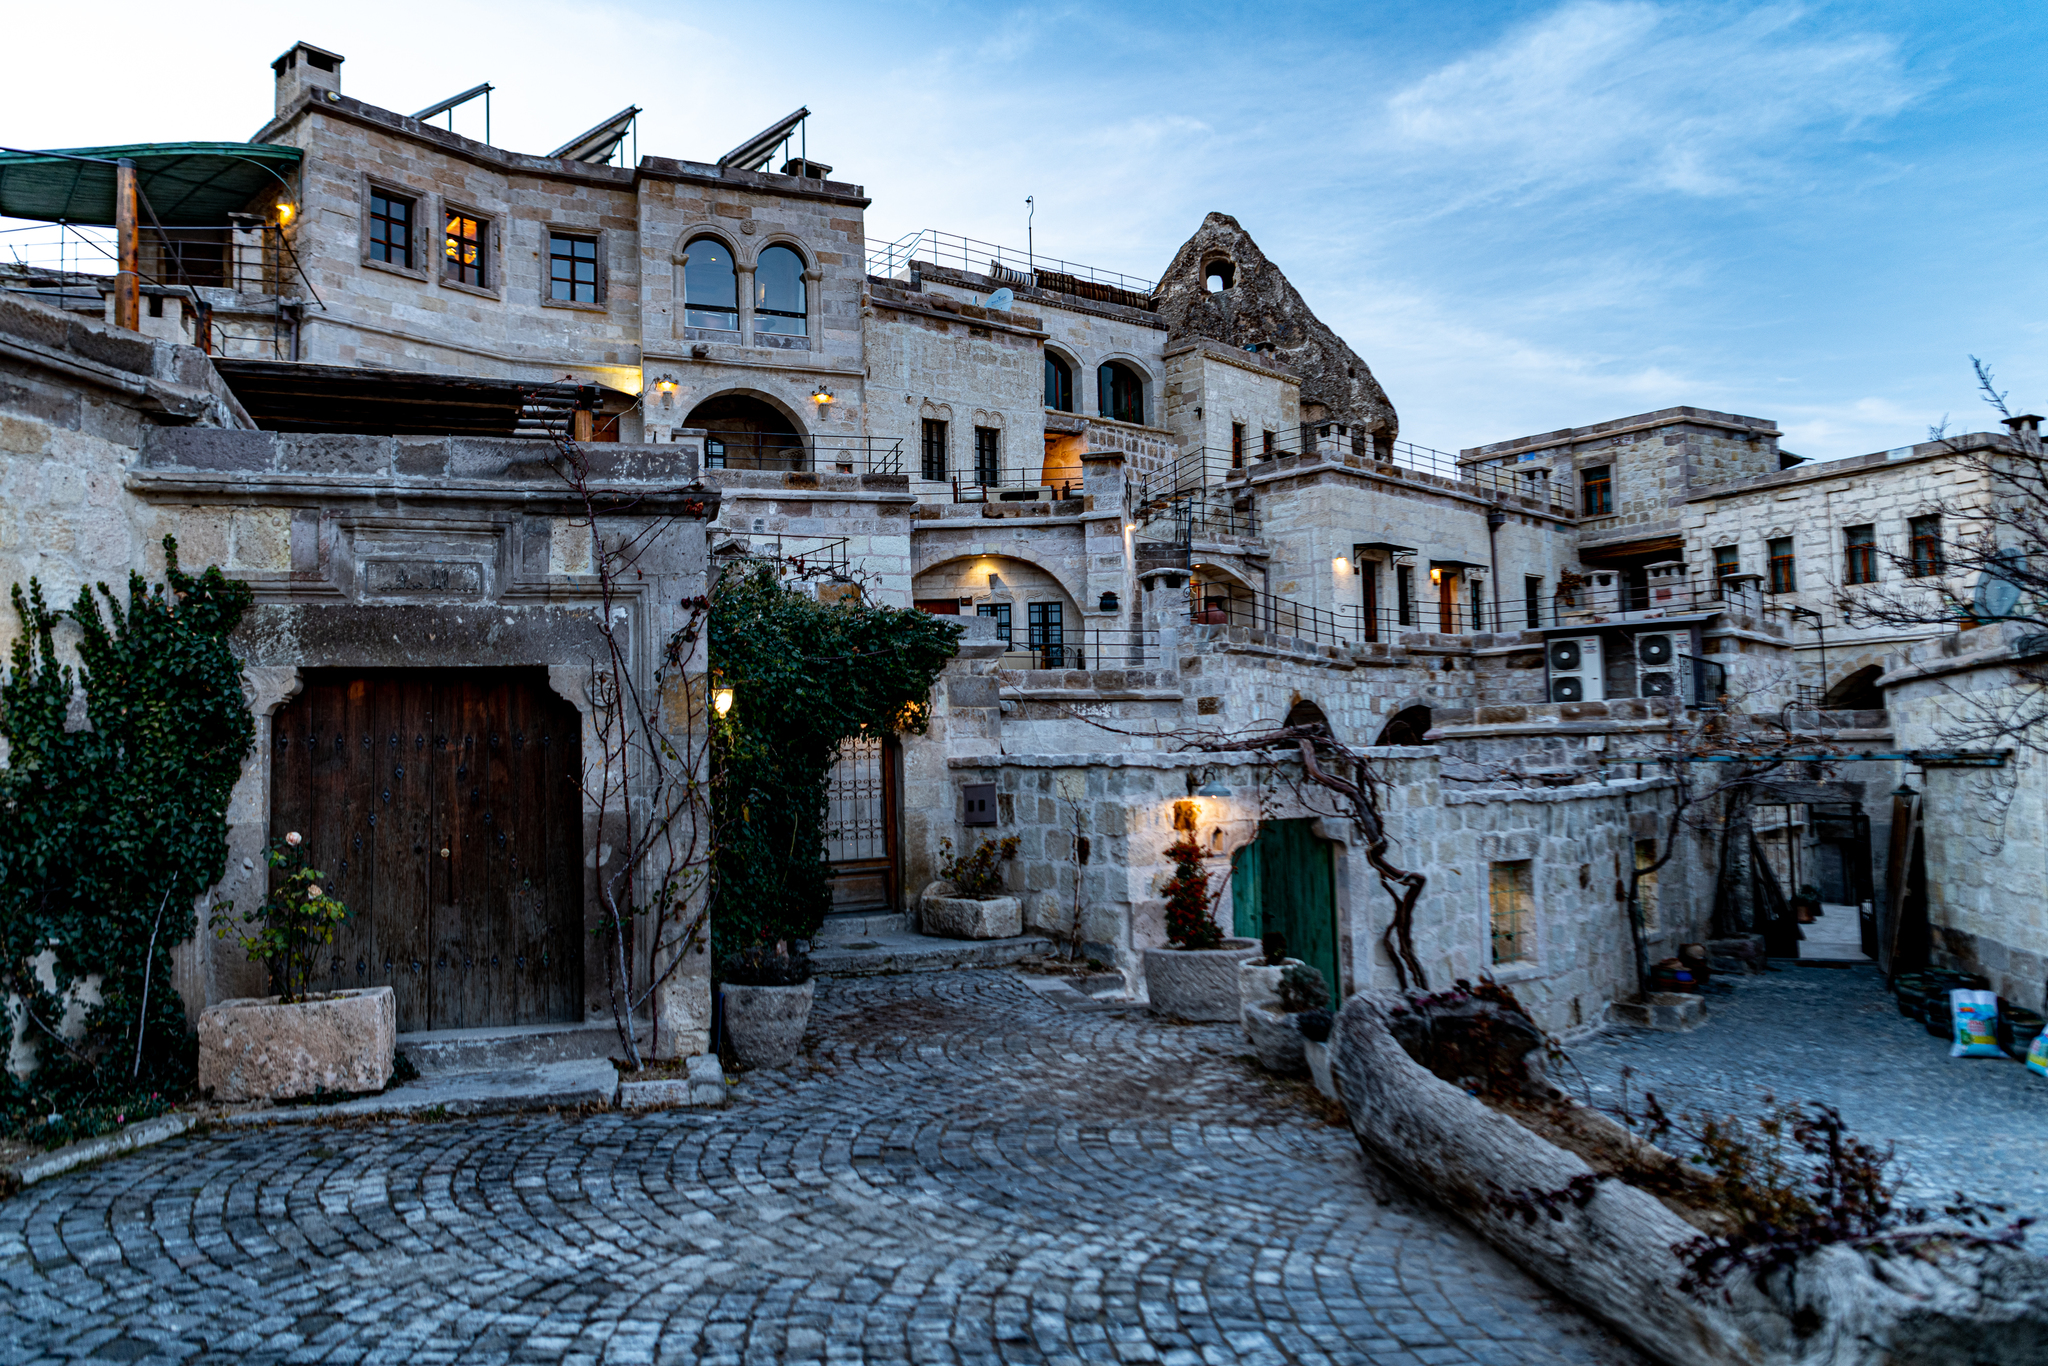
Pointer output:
x,y
860,826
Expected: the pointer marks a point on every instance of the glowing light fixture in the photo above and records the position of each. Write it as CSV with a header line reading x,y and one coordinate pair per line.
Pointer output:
x,y
1212,788
822,395
721,700
284,215
1436,576
667,384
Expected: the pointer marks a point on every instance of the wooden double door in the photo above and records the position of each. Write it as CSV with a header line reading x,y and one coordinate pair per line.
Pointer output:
x,y
444,810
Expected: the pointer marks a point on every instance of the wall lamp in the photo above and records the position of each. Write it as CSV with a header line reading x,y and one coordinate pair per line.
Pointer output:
x,y
721,700
822,395
667,384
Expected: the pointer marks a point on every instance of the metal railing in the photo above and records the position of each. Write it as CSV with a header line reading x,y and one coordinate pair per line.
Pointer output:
x,y
228,276
1112,647
825,454
1264,612
1211,465
1006,266
1213,514
996,484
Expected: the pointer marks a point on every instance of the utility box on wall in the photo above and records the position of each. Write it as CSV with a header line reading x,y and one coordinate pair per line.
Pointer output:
x,y
978,804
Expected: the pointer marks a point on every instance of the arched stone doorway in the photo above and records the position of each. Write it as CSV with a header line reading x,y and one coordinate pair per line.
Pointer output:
x,y
1405,727
1857,692
1307,713
746,433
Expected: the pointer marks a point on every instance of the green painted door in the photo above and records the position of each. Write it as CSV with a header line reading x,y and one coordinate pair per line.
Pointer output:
x,y
1285,881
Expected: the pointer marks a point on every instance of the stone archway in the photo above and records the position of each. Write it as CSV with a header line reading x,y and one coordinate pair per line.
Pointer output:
x,y
745,432
1405,727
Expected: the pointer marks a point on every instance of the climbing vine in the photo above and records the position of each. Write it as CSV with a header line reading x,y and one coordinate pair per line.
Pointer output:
x,y
806,677
113,827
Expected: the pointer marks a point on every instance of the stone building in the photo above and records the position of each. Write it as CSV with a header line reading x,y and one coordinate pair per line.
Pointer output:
x,y
1164,509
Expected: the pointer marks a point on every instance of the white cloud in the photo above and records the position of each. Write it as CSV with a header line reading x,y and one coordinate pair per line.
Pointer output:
x,y
1696,100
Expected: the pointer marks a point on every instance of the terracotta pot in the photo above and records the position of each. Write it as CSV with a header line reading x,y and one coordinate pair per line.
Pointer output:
x,y
257,1048
766,1024
1197,984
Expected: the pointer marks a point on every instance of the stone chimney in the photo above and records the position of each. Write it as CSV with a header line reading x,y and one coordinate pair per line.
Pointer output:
x,y
2027,426
304,67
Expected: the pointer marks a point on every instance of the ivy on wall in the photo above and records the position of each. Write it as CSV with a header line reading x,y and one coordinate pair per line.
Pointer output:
x,y
111,829
806,676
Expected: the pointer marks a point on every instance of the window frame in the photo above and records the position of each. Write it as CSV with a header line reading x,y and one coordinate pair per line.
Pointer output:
x,y
491,258
1000,613
548,233
1056,364
934,427
1045,632
1923,533
988,456
1105,390
1596,484
756,310
1532,600
421,204
690,329
1859,553
1787,582
1520,894
1237,445
1404,595
1268,443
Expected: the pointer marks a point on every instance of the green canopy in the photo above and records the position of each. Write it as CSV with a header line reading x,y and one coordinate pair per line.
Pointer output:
x,y
188,184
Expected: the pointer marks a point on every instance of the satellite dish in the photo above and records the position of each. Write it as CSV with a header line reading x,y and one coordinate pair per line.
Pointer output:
x,y
1996,597
1000,301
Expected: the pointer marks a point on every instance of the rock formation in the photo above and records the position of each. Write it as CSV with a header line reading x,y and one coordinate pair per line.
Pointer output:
x,y
1259,307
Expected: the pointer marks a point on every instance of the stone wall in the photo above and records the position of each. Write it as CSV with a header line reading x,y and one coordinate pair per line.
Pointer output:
x,y
1211,387
933,358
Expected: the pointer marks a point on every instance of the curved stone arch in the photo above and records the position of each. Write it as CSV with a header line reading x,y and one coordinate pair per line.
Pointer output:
x,y
697,231
1236,575
1408,714
925,577
780,238
1147,374
1856,690
773,400
935,410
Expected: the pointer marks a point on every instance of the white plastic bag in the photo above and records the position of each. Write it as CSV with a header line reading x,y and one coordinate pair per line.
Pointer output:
x,y
1974,1024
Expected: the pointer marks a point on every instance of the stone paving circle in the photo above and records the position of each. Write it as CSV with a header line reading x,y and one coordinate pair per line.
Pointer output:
x,y
957,1170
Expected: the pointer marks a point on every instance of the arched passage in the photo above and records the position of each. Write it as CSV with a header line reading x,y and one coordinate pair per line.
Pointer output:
x,y
1307,713
1032,609
1857,692
746,433
1405,727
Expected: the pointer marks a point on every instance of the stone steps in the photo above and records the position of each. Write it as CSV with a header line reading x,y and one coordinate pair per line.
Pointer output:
x,y
502,1046
900,950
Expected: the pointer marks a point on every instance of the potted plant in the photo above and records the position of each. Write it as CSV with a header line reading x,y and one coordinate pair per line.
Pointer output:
x,y
976,907
1276,1030
299,1042
1258,979
1195,976
764,997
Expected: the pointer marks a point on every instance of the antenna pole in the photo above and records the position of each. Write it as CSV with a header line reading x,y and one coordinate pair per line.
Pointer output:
x,y
1030,248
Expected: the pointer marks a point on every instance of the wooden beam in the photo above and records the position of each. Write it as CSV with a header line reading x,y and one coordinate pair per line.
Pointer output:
x,y
127,280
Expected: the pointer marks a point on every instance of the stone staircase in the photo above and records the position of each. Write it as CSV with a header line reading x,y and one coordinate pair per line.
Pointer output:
x,y
871,943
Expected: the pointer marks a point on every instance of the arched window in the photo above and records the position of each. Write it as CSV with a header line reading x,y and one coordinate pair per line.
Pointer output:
x,y
1218,276
779,293
1406,727
1122,393
1059,384
711,292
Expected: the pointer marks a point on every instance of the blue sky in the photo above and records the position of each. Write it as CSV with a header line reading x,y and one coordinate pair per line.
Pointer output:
x,y
1524,216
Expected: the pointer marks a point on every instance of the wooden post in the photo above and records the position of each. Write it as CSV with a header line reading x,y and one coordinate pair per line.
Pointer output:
x,y
581,425
127,280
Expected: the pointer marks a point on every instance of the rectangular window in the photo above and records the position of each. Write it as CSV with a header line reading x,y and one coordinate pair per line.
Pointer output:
x,y
1925,533
572,268
1859,554
1511,910
1404,594
714,453
1042,621
1532,601
1727,560
1369,582
391,229
1001,612
988,456
1784,576
465,252
1596,490
934,448
1237,445
1266,450
1478,605
1646,885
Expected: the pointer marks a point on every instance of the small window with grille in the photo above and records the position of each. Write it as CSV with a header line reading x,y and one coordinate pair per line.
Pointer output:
x,y
391,219
465,255
1511,907
1859,554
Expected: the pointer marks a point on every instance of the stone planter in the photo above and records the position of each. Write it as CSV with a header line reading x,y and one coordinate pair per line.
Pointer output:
x,y
1258,982
256,1048
1276,1041
967,917
1317,1055
766,1024
1197,984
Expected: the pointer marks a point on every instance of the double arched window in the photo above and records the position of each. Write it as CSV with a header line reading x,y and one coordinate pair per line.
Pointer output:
x,y
1059,384
779,293
1121,393
711,292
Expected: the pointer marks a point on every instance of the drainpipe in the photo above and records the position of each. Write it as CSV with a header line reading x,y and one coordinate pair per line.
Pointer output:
x,y
1495,520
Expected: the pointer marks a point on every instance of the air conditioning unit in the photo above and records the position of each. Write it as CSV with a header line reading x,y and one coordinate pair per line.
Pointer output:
x,y
1575,670
1660,666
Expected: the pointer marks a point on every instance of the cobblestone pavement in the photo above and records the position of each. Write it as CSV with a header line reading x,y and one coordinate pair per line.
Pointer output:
x,y
958,1171
1979,1125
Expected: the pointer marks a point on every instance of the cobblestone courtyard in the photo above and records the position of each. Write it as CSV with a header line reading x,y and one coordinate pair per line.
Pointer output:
x,y
960,1170
1835,1035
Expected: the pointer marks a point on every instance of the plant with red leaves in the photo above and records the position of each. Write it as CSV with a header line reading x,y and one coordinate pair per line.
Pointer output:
x,y
1189,923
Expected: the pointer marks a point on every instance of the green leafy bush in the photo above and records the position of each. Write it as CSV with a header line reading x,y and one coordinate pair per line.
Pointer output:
x,y
113,829
806,677
295,922
979,874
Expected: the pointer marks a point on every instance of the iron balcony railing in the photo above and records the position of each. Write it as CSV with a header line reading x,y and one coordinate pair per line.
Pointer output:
x,y
1213,514
824,454
980,483
1007,266
1092,648
1207,466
